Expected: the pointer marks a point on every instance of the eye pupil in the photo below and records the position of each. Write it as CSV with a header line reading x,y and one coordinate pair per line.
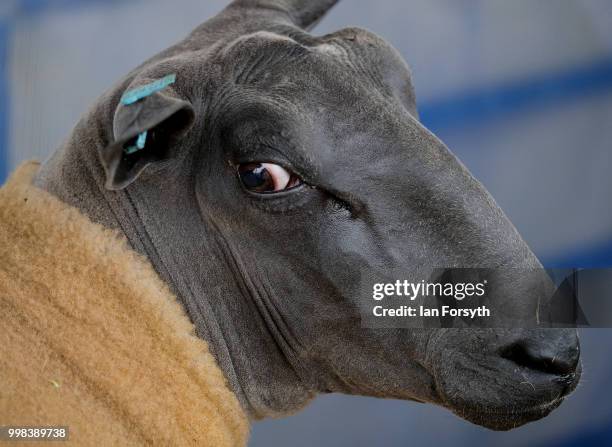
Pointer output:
x,y
256,177
266,177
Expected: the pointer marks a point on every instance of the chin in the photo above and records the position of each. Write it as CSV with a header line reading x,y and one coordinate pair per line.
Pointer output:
x,y
507,420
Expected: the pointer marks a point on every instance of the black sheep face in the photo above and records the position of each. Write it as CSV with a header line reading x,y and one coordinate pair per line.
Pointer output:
x,y
277,170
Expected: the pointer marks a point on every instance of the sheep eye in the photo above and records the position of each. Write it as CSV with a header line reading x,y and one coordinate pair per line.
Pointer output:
x,y
266,177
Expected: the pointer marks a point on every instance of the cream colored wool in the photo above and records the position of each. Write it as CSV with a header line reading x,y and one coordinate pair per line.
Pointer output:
x,y
91,338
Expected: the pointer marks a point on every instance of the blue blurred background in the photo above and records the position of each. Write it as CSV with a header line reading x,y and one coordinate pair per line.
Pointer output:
x,y
520,90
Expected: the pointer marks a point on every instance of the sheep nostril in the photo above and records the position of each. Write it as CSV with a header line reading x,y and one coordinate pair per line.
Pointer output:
x,y
561,361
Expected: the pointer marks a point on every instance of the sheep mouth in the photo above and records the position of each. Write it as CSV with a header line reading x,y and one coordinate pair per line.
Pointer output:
x,y
529,408
502,420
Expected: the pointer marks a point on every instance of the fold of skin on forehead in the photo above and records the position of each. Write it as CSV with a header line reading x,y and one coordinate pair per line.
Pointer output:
x,y
272,282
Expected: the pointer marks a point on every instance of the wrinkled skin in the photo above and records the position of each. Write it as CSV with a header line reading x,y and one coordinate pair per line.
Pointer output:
x,y
270,281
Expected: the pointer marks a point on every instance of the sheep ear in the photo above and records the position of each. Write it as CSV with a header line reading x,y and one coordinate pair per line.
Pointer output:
x,y
303,13
145,128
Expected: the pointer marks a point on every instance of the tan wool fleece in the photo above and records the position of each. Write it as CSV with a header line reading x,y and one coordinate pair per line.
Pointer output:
x,y
92,339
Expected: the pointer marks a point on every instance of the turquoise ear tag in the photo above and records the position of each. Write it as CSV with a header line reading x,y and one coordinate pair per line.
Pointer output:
x,y
140,144
132,96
